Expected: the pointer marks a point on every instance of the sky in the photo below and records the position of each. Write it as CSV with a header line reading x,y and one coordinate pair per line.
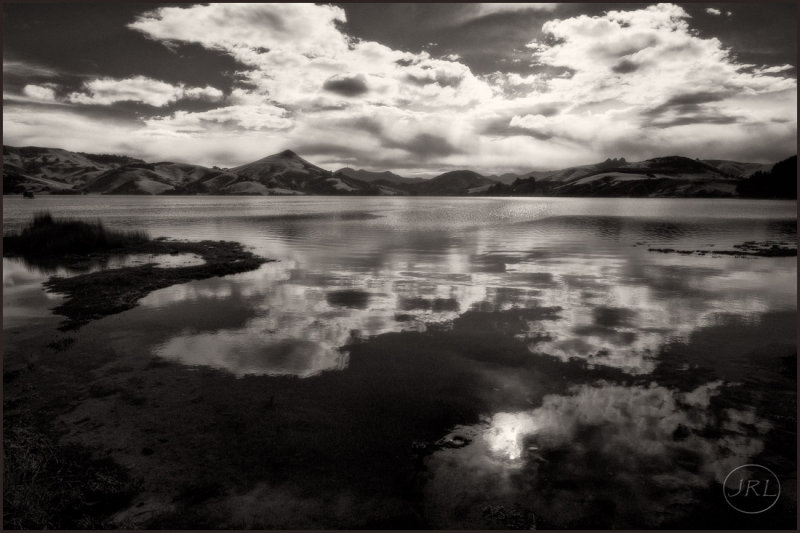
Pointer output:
x,y
417,89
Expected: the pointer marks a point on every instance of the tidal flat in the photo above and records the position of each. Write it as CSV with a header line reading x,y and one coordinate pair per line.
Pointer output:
x,y
412,363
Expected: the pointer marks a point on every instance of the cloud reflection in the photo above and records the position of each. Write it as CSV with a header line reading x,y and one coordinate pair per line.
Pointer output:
x,y
619,304
650,439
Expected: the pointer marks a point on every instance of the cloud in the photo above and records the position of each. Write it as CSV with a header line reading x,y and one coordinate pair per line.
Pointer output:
x,y
638,82
39,92
26,69
625,66
304,28
657,56
480,10
346,86
425,145
713,11
107,91
211,94
235,118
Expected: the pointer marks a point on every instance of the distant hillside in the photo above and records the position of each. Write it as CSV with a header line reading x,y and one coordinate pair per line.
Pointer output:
x,y
456,182
672,176
506,178
372,177
287,171
735,168
53,169
151,178
57,171
778,182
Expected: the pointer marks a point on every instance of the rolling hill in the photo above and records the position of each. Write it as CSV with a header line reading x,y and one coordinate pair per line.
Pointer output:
x,y
53,169
57,171
287,173
454,183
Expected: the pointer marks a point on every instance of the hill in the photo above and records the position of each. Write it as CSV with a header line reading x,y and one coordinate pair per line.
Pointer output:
x,y
151,178
735,168
39,169
57,171
454,183
288,173
372,177
778,182
672,176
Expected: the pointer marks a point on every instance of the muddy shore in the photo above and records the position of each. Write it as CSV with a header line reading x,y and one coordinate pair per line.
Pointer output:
x,y
108,291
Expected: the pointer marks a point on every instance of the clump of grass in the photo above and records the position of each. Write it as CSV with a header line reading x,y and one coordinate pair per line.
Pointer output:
x,y
46,236
47,485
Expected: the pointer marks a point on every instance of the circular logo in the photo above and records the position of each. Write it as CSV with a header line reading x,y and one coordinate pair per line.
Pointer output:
x,y
751,489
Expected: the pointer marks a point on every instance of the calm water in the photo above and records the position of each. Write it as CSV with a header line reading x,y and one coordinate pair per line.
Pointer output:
x,y
595,383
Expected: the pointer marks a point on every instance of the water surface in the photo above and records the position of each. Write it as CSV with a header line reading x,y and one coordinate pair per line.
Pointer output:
x,y
586,380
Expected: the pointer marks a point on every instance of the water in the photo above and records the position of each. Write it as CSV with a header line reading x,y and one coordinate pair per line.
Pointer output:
x,y
597,383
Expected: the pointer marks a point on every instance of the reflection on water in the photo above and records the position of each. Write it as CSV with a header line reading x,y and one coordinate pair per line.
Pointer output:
x,y
664,343
619,303
650,439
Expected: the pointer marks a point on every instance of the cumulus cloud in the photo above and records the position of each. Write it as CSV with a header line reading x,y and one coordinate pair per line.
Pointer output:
x,y
305,28
107,91
713,11
638,82
645,59
39,92
235,117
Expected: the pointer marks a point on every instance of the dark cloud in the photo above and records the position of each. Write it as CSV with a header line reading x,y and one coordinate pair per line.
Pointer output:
x,y
695,119
702,97
368,124
625,66
424,145
689,108
346,86
271,21
440,78
501,128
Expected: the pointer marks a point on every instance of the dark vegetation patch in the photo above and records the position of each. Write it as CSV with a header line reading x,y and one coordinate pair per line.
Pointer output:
x,y
779,182
46,236
48,485
748,248
97,294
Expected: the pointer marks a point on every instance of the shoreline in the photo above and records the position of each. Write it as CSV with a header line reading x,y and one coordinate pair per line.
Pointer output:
x,y
109,291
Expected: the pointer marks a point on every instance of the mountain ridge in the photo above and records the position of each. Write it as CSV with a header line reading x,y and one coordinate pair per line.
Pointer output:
x,y
59,171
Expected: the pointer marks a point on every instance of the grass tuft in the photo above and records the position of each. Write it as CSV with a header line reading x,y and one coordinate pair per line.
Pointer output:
x,y
47,485
46,236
